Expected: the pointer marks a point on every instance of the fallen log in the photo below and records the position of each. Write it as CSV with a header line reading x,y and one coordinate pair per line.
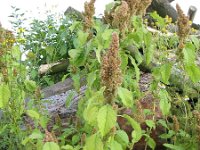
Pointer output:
x,y
53,68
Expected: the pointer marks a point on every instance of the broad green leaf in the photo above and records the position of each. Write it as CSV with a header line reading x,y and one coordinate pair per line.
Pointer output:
x,y
76,81
69,98
137,132
30,85
78,56
50,50
151,143
163,123
196,41
137,70
165,104
75,139
51,146
165,72
33,114
16,53
82,37
148,39
122,138
106,35
126,96
74,25
138,57
150,124
25,141
189,54
98,52
67,147
91,111
90,114
91,78
124,61
93,143
115,146
168,135
148,55
5,95
43,121
106,119
159,19
173,147
36,135
74,53
193,71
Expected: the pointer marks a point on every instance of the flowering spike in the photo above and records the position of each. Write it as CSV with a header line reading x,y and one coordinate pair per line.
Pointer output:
x,y
111,76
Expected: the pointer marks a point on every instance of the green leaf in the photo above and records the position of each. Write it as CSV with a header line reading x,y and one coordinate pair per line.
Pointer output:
x,y
126,96
173,147
93,143
151,143
74,53
165,104
150,124
163,123
165,72
91,78
33,114
92,109
30,85
115,146
189,54
5,95
36,135
82,37
148,55
149,50
137,132
76,81
74,25
16,53
106,35
124,61
196,41
193,71
78,56
51,146
69,98
168,135
106,119
67,147
75,139
122,138
90,114
160,20
137,70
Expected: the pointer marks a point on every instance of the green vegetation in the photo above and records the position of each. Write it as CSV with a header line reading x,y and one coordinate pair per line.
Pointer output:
x,y
115,55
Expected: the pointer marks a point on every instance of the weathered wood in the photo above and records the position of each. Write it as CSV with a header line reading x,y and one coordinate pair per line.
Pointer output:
x,y
192,12
53,68
73,13
163,8
60,87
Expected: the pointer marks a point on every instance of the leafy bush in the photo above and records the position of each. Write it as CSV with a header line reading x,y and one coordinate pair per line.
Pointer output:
x,y
138,82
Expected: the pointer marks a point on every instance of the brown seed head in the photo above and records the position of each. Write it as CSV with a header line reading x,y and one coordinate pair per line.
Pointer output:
x,y
176,125
141,6
111,76
49,137
88,14
183,26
